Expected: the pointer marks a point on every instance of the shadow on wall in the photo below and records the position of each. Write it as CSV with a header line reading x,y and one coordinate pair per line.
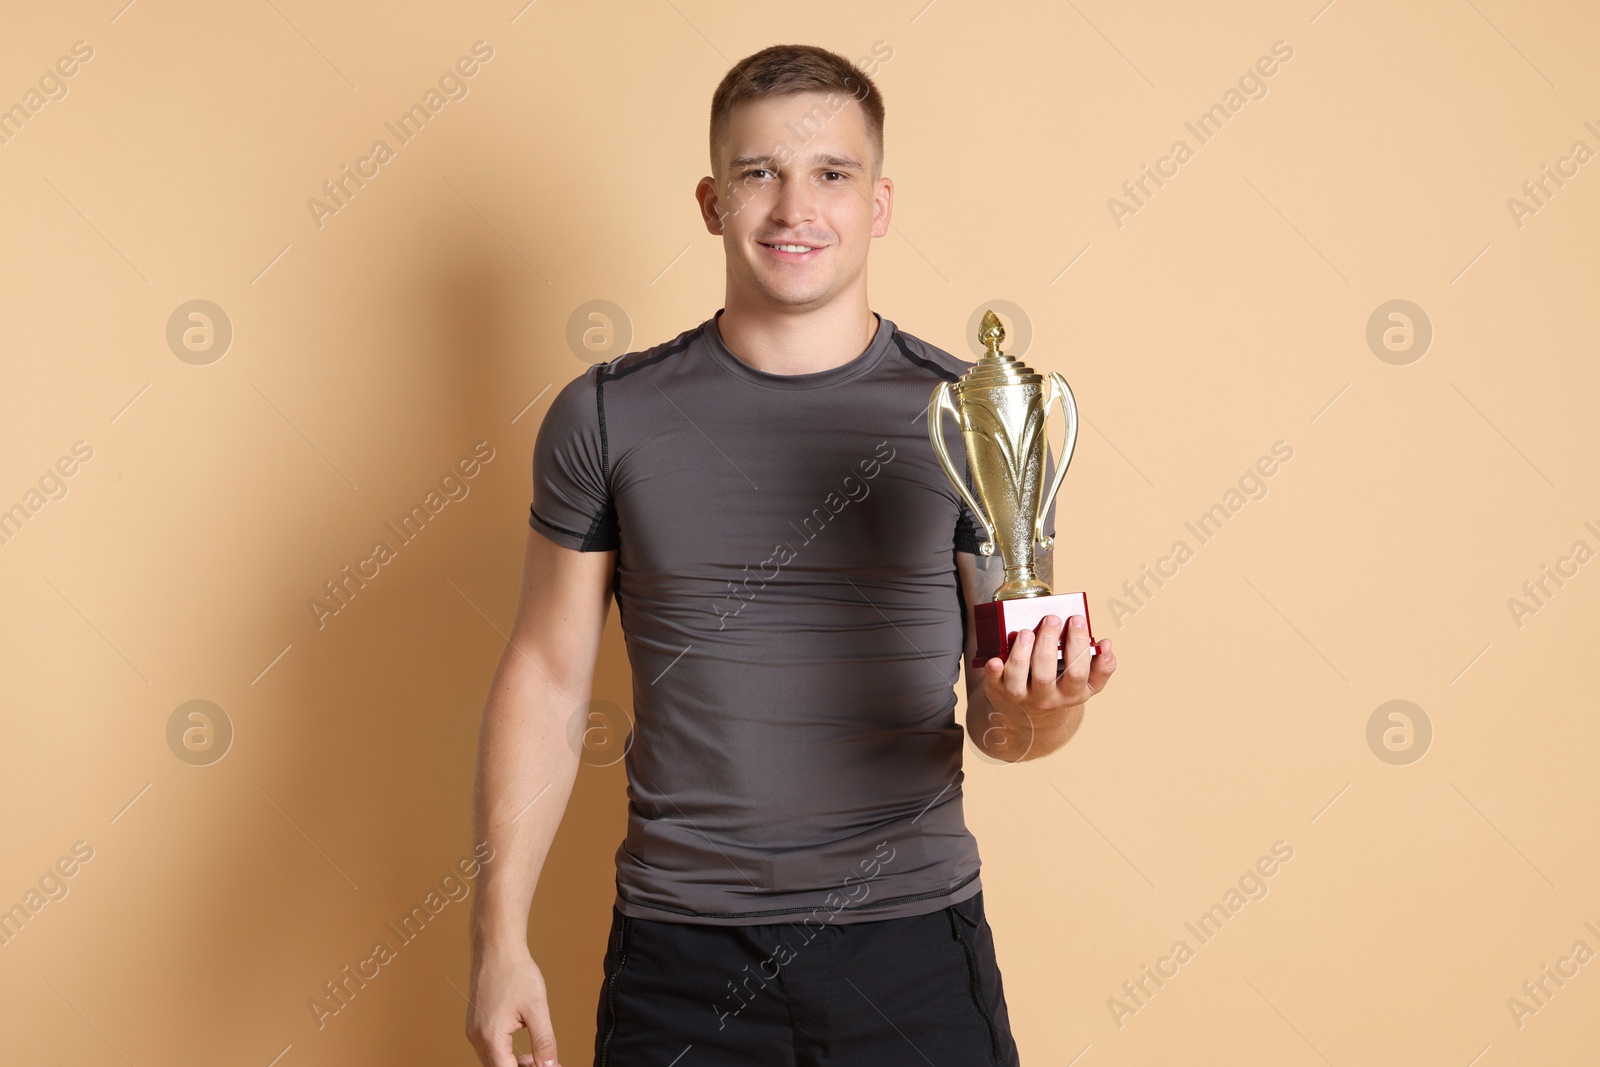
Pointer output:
x,y
373,731
571,912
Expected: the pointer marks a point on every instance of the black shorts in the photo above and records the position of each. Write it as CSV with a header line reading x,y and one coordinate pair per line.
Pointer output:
x,y
912,991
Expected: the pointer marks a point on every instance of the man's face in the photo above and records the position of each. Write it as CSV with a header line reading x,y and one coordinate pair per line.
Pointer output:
x,y
796,170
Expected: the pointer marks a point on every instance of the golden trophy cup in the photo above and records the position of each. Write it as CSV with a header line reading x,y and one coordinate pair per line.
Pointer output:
x,y
1003,409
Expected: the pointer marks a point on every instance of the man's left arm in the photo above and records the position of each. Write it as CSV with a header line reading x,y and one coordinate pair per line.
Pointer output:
x,y
1020,708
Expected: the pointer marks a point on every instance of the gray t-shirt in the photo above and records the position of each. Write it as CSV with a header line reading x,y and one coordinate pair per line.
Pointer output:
x,y
787,587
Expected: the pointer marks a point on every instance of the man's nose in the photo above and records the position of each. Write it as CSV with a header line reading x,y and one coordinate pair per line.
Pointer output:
x,y
797,203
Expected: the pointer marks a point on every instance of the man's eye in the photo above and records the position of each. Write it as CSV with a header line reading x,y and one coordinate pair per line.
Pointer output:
x,y
834,172
756,170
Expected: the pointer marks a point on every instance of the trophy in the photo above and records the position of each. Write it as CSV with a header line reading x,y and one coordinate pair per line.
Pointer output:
x,y
1003,409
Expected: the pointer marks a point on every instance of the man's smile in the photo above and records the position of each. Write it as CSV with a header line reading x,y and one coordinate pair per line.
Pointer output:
x,y
792,252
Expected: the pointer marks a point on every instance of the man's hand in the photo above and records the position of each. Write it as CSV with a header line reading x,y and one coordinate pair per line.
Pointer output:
x,y
1031,710
507,994
1028,677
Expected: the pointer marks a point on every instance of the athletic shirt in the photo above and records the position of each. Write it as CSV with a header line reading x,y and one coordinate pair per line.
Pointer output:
x,y
786,584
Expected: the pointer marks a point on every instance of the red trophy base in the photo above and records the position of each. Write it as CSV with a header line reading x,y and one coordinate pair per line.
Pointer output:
x,y
999,621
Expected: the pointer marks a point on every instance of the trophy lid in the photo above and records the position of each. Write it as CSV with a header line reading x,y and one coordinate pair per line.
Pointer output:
x,y
995,367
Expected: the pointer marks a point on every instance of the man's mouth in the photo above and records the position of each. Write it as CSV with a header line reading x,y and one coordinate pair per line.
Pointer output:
x,y
792,252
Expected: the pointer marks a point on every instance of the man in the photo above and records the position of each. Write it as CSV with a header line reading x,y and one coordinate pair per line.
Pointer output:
x,y
792,571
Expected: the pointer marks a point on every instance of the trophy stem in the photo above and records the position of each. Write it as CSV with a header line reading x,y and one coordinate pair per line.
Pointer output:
x,y
1021,582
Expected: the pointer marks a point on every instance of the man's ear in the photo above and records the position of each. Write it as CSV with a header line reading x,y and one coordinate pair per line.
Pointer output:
x,y
706,194
882,206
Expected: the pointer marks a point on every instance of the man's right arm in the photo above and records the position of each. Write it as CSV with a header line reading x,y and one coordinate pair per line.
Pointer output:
x,y
526,766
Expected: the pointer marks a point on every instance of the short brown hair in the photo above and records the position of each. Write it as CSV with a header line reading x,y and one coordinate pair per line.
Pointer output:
x,y
784,69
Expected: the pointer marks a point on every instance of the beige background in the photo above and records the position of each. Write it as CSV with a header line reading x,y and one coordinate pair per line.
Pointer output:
x,y
1230,312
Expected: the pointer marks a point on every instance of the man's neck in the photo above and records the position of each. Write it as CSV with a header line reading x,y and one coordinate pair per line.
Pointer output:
x,y
803,342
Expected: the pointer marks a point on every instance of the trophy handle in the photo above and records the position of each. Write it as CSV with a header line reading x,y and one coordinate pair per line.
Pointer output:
x,y
936,407
1069,414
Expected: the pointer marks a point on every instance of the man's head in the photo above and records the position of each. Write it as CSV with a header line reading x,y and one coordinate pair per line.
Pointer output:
x,y
796,159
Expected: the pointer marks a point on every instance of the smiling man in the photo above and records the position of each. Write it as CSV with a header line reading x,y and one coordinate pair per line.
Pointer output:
x,y
793,574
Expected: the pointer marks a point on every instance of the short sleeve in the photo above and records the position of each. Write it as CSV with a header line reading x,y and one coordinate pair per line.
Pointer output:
x,y
572,503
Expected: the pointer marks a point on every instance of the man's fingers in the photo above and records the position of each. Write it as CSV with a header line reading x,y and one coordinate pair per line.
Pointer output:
x,y
497,1052
994,669
1030,670
544,1048
1014,678
492,1045
1046,655
541,1035
1077,655
496,1043
1102,666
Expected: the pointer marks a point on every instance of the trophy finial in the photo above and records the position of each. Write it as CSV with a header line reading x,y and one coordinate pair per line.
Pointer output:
x,y
991,333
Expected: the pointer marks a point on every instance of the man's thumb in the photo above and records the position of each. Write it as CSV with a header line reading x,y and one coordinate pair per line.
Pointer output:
x,y
542,1038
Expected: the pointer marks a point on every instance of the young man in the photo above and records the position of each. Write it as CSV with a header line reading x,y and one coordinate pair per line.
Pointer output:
x,y
793,573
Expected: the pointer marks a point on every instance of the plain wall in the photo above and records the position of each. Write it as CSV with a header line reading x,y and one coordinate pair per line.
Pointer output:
x,y
1228,311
